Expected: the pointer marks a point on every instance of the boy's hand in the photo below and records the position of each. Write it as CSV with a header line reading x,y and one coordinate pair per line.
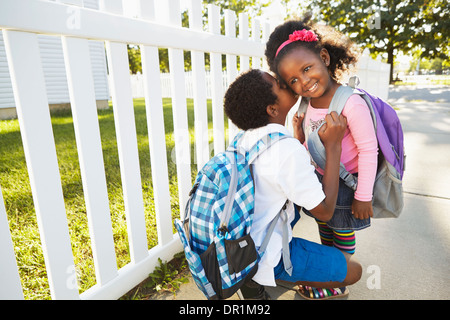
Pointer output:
x,y
297,123
362,209
332,132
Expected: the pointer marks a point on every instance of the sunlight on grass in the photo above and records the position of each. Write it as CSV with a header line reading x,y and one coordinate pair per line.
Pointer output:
x,y
16,189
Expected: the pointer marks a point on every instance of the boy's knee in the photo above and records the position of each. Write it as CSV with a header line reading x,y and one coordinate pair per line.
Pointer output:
x,y
354,270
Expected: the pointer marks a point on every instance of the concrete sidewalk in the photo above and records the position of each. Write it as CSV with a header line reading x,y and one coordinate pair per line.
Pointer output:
x,y
408,257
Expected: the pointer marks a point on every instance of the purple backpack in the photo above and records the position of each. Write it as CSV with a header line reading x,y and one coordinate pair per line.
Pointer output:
x,y
387,199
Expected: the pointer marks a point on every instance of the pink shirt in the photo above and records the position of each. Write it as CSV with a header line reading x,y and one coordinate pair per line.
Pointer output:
x,y
359,146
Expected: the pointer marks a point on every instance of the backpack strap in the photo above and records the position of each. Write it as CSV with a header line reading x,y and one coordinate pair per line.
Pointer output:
x,y
285,238
342,94
315,146
353,82
263,144
303,106
227,210
256,150
234,145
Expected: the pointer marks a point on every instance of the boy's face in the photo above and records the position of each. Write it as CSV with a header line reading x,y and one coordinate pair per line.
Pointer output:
x,y
286,98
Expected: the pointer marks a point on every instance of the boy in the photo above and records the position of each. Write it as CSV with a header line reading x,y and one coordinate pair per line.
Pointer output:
x,y
256,103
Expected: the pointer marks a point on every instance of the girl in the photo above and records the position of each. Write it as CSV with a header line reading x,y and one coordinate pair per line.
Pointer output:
x,y
310,60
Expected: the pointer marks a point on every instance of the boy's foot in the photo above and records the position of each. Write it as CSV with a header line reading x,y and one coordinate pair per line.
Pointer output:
x,y
254,291
311,293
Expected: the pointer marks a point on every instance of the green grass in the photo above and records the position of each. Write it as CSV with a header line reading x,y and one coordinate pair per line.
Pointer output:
x,y
16,189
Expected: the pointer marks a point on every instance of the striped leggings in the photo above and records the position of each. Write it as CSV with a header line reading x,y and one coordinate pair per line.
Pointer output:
x,y
344,240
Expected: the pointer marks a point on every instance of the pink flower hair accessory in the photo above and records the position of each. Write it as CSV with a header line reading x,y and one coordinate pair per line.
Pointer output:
x,y
299,35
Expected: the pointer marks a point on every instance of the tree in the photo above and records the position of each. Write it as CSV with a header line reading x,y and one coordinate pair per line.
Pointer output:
x,y
432,35
249,6
134,59
390,26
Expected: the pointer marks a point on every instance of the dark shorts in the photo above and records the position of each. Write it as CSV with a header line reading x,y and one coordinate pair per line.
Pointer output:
x,y
313,262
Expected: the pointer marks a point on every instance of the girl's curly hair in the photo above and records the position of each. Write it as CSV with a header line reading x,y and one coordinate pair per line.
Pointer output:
x,y
343,52
247,98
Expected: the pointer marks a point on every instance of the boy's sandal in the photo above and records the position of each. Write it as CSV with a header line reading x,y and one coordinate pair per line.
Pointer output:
x,y
311,293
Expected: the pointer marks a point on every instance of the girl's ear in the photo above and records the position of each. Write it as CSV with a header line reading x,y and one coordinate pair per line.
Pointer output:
x,y
325,56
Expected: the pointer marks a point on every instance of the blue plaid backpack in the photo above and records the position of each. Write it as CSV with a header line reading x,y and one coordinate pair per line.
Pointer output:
x,y
215,231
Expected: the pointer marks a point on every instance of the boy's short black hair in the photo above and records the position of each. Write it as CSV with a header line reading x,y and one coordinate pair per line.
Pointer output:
x,y
247,98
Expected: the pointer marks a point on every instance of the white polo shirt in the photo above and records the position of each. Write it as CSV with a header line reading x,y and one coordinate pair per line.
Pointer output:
x,y
284,171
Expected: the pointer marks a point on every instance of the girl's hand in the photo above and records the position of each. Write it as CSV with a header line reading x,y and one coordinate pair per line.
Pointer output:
x,y
362,209
297,123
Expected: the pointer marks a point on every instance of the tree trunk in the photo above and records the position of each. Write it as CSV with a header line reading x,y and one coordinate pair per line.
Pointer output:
x,y
390,60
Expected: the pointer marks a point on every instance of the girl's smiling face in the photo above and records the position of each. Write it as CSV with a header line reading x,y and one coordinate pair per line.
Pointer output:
x,y
306,72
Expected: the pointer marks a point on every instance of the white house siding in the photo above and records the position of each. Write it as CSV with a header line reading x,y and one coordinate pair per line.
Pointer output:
x,y
54,70
6,91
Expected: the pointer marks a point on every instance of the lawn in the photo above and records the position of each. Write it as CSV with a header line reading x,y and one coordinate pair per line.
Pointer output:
x,y
17,195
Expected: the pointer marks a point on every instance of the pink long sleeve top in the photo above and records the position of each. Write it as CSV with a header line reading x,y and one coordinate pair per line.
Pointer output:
x,y
359,145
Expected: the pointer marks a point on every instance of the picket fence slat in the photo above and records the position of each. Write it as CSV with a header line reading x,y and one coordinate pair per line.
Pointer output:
x,y
244,36
231,61
27,77
123,110
10,286
87,133
180,121
156,132
199,89
216,81
256,36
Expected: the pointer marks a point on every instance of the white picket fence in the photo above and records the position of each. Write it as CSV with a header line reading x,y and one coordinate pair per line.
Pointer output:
x,y
137,84
21,21
373,74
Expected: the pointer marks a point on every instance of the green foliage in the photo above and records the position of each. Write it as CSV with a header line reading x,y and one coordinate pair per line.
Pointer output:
x,y
166,276
250,6
134,59
16,189
391,26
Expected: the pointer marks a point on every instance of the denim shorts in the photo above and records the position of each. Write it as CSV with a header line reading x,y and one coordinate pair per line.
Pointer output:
x,y
313,262
343,218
